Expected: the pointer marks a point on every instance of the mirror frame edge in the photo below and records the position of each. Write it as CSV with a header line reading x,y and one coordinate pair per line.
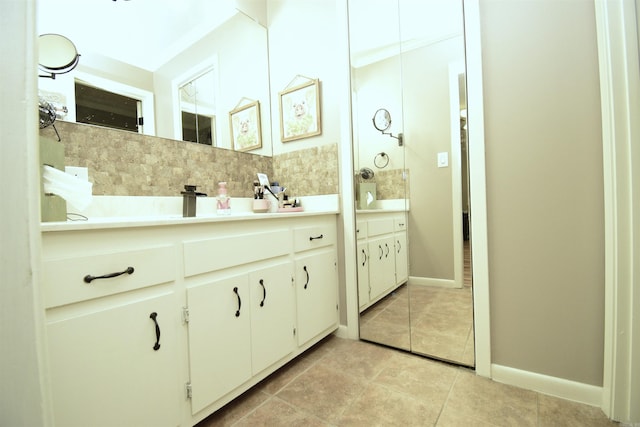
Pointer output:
x,y
477,186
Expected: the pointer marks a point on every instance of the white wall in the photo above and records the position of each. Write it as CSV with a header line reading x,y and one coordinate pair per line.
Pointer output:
x,y
24,396
302,42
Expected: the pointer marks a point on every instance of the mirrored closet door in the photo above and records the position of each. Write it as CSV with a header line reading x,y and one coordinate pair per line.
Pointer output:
x,y
412,210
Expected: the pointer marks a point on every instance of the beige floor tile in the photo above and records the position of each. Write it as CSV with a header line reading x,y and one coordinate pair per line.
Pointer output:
x,y
384,407
358,358
485,401
283,376
423,379
323,391
235,410
440,345
276,413
553,411
343,382
396,335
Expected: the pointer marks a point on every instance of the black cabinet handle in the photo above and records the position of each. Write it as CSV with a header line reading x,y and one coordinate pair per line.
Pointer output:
x,y
89,278
381,251
317,237
153,316
399,246
264,293
307,282
364,261
235,291
387,254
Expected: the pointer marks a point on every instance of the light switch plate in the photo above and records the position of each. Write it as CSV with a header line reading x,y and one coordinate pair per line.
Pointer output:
x,y
443,159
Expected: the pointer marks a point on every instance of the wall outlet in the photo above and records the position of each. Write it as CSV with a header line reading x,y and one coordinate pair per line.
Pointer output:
x,y
78,172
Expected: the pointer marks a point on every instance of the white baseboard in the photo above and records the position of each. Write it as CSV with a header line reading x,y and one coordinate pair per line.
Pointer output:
x,y
553,386
429,281
342,332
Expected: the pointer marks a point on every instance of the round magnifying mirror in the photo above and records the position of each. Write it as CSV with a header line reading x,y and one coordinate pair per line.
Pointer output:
x,y
382,120
56,54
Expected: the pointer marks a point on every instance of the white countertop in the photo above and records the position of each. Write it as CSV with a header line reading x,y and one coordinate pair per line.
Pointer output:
x,y
120,212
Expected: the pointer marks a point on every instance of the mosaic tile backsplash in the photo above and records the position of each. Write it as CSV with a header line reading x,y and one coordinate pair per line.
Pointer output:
x,y
390,184
122,163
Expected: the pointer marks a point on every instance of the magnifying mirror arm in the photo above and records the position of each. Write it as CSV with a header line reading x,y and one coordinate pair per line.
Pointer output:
x,y
400,137
53,72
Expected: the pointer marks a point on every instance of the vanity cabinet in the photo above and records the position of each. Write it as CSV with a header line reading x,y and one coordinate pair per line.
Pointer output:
x,y
113,342
401,245
219,339
316,276
206,311
362,248
238,326
382,255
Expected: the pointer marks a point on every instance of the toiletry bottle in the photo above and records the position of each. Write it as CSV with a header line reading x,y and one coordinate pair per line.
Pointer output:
x,y
224,202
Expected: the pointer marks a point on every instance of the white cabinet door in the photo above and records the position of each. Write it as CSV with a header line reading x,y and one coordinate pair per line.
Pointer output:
x,y
272,314
402,258
364,289
382,266
316,293
219,339
115,367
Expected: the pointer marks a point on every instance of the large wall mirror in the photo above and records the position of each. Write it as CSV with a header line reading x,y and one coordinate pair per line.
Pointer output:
x,y
156,53
408,58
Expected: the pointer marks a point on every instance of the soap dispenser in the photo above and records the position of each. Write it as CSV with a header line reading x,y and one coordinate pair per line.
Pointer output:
x,y
224,201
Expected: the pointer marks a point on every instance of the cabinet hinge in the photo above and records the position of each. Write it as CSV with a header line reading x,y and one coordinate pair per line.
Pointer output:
x,y
185,314
293,280
189,390
294,332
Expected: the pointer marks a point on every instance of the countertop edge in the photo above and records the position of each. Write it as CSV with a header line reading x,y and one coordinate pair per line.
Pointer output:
x,y
171,220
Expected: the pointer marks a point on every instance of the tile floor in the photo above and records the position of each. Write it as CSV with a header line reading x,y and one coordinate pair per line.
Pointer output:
x,y
343,382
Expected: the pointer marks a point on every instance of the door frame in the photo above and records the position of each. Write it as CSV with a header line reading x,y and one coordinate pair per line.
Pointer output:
x,y
617,35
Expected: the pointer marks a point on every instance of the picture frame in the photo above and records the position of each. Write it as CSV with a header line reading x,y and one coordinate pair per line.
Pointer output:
x,y
300,111
245,126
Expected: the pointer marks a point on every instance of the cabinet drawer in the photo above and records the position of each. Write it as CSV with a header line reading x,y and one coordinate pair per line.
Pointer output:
x,y
400,224
361,229
202,256
316,236
64,279
380,226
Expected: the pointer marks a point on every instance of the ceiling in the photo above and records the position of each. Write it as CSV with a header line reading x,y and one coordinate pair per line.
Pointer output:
x,y
143,33
148,33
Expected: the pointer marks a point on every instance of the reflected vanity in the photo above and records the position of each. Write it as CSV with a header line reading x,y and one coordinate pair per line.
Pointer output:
x,y
407,62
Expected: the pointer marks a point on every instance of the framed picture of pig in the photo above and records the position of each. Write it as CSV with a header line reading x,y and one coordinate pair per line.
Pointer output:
x,y
300,111
245,127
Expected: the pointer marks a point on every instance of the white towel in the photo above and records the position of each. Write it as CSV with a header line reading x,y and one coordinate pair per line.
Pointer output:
x,y
75,191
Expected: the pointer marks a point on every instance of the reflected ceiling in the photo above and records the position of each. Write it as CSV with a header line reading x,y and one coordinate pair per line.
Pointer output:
x,y
143,33
374,35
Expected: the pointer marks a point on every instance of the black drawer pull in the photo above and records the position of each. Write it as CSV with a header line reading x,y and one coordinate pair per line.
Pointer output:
x,y
89,278
153,316
264,293
317,237
307,282
235,290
